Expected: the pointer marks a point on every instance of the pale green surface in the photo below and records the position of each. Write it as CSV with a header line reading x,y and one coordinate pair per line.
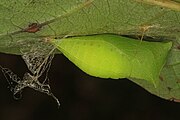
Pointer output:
x,y
101,16
75,17
112,56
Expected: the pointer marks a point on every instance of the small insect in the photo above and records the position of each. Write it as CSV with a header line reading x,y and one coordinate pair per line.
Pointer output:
x,y
32,28
35,27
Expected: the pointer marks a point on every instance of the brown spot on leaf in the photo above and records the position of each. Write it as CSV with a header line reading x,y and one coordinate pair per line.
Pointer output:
x,y
178,81
169,88
161,78
178,47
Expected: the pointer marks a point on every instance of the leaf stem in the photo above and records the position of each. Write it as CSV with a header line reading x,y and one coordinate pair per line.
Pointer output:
x,y
163,3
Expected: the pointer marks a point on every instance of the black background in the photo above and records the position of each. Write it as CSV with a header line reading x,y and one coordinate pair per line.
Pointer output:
x,y
82,97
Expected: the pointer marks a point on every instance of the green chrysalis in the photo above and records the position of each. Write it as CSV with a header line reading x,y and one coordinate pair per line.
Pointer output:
x,y
113,56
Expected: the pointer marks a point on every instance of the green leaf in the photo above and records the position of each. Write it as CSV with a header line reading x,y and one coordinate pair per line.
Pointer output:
x,y
86,17
82,17
169,86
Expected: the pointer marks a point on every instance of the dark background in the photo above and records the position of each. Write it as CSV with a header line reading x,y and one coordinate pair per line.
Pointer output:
x,y
82,97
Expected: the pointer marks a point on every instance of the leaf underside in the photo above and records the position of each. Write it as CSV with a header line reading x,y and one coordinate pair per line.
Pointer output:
x,y
85,17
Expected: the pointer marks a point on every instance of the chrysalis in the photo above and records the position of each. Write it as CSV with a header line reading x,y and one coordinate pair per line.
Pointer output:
x,y
112,56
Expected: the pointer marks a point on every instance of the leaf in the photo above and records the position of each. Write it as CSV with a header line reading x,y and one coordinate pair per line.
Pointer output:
x,y
82,17
86,17
169,86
